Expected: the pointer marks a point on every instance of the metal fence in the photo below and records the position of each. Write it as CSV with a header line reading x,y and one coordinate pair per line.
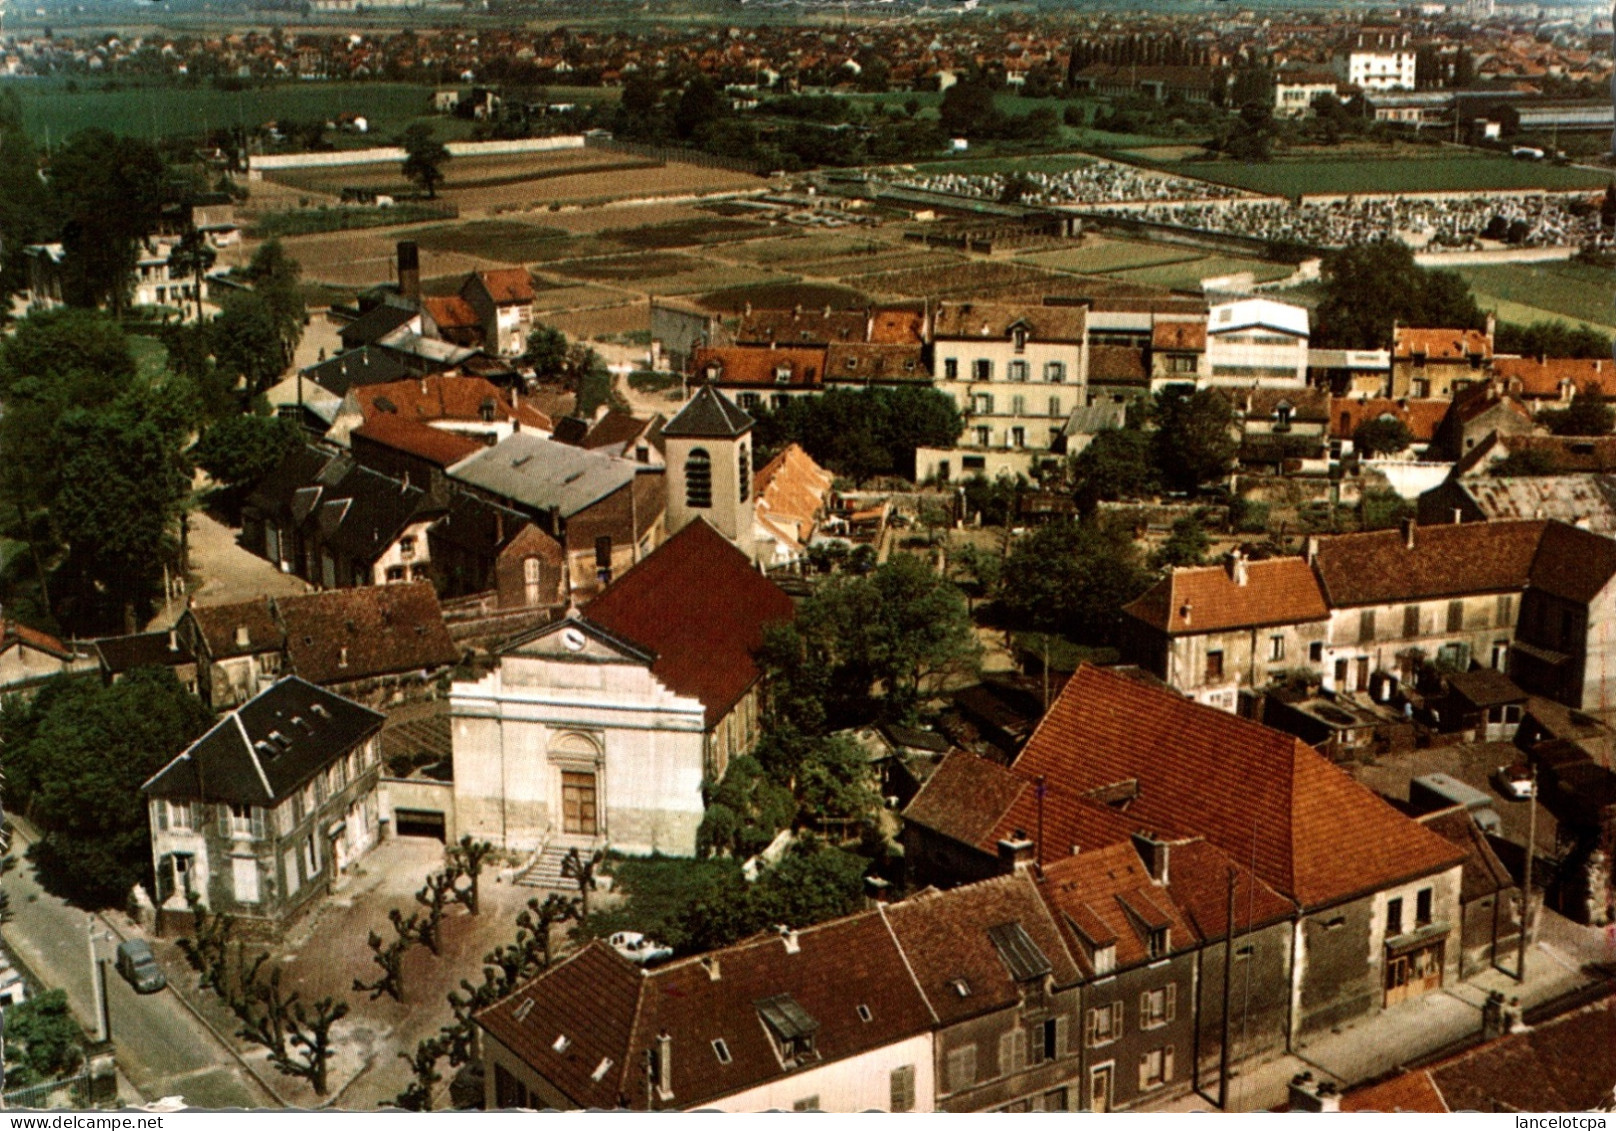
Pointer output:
x,y
41,1095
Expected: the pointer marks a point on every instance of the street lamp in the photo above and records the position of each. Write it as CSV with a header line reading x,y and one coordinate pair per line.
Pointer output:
x,y
98,986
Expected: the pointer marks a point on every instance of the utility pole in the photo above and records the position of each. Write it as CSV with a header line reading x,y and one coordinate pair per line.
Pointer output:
x,y
1526,880
1228,996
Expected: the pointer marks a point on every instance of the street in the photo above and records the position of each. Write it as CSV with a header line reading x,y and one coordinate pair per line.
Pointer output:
x,y
162,1049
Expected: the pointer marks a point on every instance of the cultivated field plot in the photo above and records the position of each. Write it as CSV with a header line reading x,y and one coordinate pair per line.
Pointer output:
x,y
708,278
365,258
1108,255
849,267
509,241
602,322
781,296
808,247
598,188
587,221
1326,176
460,171
1187,274
689,233
1524,292
564,295
977,278
633,266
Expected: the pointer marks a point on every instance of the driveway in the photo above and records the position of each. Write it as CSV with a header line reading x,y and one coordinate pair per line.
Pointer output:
x,y
223,572
162,1049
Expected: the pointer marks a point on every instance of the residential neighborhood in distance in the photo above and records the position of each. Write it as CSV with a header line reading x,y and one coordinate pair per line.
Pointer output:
x,y
998,556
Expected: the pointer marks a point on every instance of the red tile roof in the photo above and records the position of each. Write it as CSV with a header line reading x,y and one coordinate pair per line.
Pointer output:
x,y
341,635
897,327
427,399
611,1011
1307,829
1198,880
451,312
1378,568
1207,599
1438,343
1572,563
1542,377
1179,336
945,937
1421,416
967,798
1117,363
1107,897
1408,1091
700,606
508,284
11,631
759,365
437,445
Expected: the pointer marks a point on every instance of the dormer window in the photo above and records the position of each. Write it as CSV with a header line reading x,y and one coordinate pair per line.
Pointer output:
x,y
721,1051
791,1028
782,375
486,410
1282,417
1018,335
1105,959
1158,943
714,371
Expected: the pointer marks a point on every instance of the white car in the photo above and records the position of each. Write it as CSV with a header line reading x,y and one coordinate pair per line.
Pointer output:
x,y
1514,782
637,948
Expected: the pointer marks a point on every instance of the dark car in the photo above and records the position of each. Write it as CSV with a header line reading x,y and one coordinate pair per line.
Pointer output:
x,y
139,966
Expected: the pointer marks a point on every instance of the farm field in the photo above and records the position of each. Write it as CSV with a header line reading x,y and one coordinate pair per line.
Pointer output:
x,y
1187,274
604,322
976,278
463,171
850,267
567,295
1108,255
807,247
1524,292
510,241
1362,174
808,294
168,109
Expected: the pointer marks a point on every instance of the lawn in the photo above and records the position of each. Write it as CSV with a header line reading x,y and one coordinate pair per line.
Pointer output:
x,y
1388,174
1109,255
1524,292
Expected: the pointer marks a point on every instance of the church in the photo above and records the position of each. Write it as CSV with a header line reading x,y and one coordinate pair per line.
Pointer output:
x,y
598,729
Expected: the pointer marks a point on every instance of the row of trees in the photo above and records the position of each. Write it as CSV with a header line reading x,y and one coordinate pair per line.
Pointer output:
x,y
862,433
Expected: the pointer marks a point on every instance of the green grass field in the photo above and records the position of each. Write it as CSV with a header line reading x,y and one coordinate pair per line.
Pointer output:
x,y
49,107
1528,292
1360,174
1189,273
1111,255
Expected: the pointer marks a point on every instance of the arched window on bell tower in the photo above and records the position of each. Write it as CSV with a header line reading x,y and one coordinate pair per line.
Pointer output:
x,y
699,480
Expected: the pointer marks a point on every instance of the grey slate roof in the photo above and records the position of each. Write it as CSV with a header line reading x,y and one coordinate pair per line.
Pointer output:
x,y
708,413
541,474
266,749
366,365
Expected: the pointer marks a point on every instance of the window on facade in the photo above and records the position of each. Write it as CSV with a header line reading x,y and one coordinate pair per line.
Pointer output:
x,y
962,1068
179,815
1054,406
508,1090
1455,616
1158,1007
698,479
530,580
1019,336
1018,405
743,464
1018,371
1394,916
950,369
1055,372
1157,943
395,573
807,1103
982,370
1366,626
1012,1051
311,856
1506,609
1422,908
1214,666
1411,621
1055,1100
1155,1068
1315,651
982,404
1276,647
984,436
1018,437
748,401
903,1088
1047,1040
1104,1024
406,546
244,878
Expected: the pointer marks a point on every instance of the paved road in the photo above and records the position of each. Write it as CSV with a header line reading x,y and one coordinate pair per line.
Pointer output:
x,y
224,572
162,1049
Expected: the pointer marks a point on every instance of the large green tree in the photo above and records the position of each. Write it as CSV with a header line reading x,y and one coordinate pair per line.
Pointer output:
x,y
1072,578
276,278
240,450
247,343
1588,415
24,203
1196,438
1115,465
862,433
867,646
89,751
107,192
1370,287
424,158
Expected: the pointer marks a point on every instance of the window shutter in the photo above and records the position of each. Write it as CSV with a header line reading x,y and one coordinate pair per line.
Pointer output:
x,y
160,810
1091,1033
1060,1035
1144,1072
198,815
903,1088
1007,1053
1116,1018
257,822
1144,1010
1167,1064
1172,1000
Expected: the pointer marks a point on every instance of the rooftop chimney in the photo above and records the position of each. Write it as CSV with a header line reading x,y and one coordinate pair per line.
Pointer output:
x,y
1310,548
342,656
409,270
664,1065
243,639
1153,851
789,937
1018,850
173,641
1236,563
516,425
1408,533
709,963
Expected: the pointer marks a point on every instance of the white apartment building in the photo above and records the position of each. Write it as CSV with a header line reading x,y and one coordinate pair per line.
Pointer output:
x,y
1377,60
1257,342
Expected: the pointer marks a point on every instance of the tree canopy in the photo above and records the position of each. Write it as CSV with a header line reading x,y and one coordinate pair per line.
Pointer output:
x,y
240,450
1588,414
1369,287
75,760
1195,439
424,158
863,433
1072,578
1381,436
107,193
1550,339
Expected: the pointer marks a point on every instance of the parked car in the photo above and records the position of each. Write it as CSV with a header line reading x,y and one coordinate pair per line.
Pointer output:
x,y
139,966
1514,782
637,948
